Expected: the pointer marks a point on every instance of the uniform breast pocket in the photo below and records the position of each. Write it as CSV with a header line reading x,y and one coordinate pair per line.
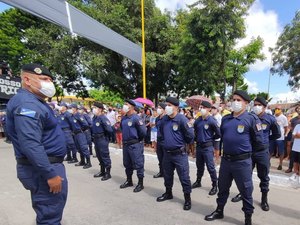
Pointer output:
x,y
26,177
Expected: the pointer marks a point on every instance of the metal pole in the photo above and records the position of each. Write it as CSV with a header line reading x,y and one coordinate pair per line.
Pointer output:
x,y
143,50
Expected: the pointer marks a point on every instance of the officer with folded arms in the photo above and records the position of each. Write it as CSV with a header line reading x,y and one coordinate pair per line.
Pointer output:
x,y
176,132
206,130
260,157
39,144
133,132
241,132
102,130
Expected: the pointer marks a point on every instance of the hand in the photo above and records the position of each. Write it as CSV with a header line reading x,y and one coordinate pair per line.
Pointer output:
x,y
55,184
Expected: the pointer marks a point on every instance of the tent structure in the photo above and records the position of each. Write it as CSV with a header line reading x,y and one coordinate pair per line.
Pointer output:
x,y
60,12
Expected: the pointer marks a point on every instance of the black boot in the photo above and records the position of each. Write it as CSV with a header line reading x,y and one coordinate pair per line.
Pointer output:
x,y
159,174
106,174
88,163
140,185
197,183
128,183
248,219
264,202
101,173
74,159
165,196
217,214
237,198
214,189
82,162
68,158
188,202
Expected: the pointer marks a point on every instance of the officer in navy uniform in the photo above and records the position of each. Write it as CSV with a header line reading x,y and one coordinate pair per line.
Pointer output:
x,y
176,132
87,129
133,132
102,130
160,142
64,119
206,130
78,124
240,133
261,158
39,144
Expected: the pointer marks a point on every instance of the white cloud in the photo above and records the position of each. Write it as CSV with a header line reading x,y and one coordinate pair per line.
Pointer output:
x,y
286,97
264,24
173,5
252,86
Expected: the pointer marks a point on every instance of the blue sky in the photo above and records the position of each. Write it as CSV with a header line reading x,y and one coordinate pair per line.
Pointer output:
x,y
267,19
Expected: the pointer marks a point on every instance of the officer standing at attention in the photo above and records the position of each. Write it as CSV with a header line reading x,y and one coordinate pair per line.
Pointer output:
x,y
39,144
206,130
133,132
64,120
102,130
88,129
260,157
78,125
240,133
160,142
176,132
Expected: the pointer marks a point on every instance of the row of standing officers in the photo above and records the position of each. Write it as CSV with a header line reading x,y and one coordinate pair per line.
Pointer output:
x,y
39,146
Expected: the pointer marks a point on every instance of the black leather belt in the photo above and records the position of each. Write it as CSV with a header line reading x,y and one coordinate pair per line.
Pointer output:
x,y
77,132
52,159
85,128
176,150
262,148
131,142
100,135
204,144
233,158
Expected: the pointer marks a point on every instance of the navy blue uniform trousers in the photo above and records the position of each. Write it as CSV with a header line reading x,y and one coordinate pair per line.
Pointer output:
x,y
81,144
206,156
133,159
102,151
71,148
262,162
241,172
179,162
160,156
48,206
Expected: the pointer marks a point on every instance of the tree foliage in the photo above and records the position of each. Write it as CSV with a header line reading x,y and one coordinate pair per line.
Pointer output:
x,y
286,54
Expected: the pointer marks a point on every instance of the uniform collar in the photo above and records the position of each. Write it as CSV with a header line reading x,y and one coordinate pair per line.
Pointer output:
x,y
25,91
240,117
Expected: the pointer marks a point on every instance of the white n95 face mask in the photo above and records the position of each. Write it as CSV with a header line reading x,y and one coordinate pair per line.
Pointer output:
x,y
126,108
203,112
47,89
169,110
95,111
236,106
257,109
159,111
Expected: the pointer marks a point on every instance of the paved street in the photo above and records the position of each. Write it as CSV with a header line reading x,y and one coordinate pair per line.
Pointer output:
x,y
92,201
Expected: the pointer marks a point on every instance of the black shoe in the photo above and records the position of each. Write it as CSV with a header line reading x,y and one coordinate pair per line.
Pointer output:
x,y
165,196
106,176
128,183
265,206
158,175
289,170
213,191
81,163
237,198
73,161
188,202
86,166
218,214
100,174
279,167
138,188
196,184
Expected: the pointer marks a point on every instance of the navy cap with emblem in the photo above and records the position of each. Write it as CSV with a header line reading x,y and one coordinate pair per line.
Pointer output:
x,y
98,105
243,94
173,101
36,69
63,104
206,104
261,100
73,106
131,102
163,105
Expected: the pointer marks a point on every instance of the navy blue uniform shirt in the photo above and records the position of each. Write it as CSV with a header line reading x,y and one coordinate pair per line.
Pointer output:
x,y
206,130
176,132
241,134
158,123
268,123
64,120
34,131
133,127
88,119
101,125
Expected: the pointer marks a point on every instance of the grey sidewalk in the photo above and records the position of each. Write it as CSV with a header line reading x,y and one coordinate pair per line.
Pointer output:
x,y
93,202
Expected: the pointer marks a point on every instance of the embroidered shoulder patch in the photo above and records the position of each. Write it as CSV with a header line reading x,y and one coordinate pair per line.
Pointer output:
x,y
28,112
